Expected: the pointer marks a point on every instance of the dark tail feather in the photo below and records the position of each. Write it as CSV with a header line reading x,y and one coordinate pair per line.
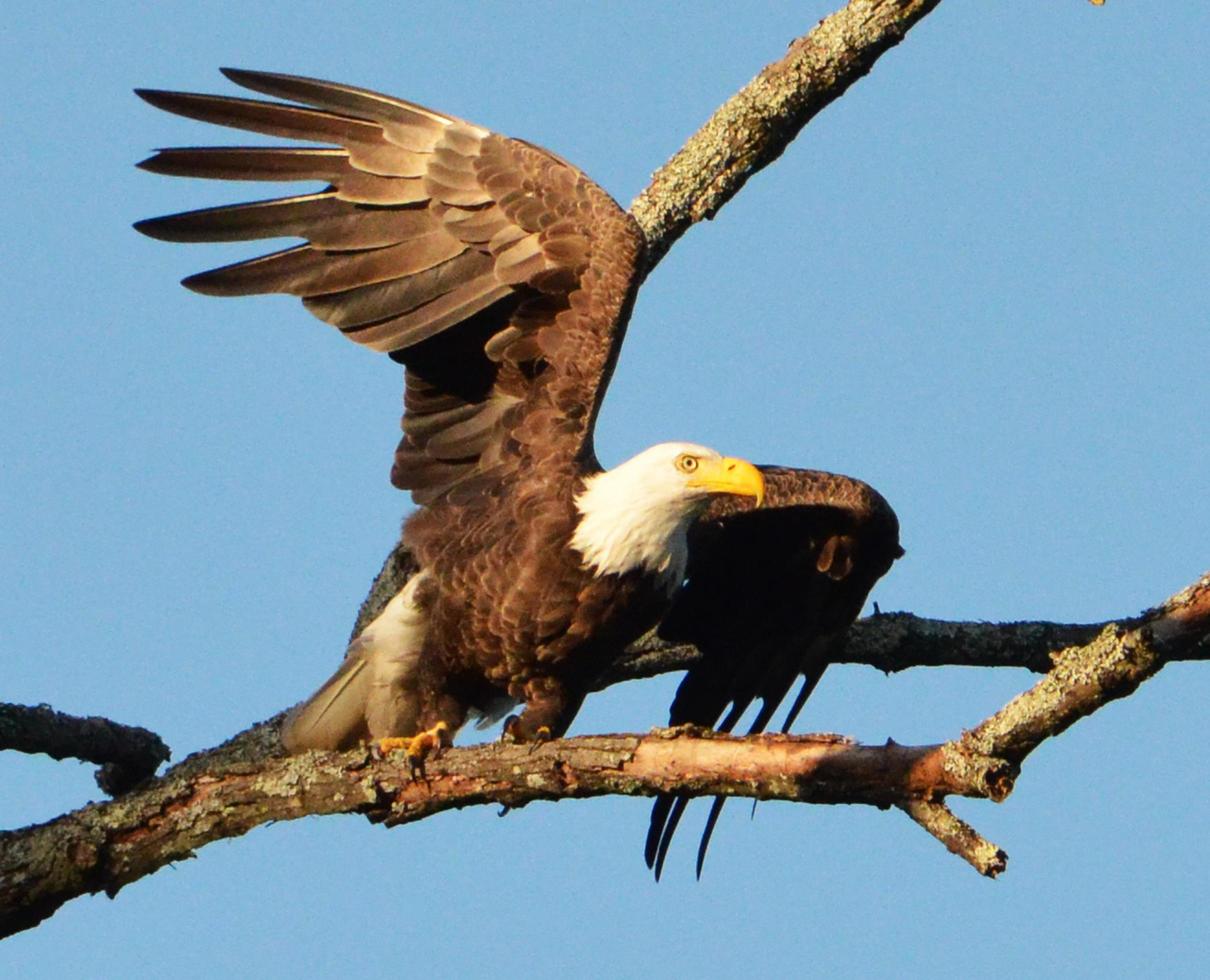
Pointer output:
x,y
667,810
716,807
767,708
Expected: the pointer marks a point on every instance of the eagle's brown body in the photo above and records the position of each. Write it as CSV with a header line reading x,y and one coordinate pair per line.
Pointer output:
x,y
512,615
502,278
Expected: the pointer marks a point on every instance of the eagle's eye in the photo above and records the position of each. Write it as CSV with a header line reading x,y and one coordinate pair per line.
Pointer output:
x,y
686,463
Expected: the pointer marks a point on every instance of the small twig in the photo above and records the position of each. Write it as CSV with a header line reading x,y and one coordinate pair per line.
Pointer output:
x,y
959,837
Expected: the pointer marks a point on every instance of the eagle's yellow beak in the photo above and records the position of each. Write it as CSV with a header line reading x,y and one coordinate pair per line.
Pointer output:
x,y
729,475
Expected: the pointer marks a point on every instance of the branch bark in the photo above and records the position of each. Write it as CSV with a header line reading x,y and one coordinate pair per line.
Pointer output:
x,y
893,642
754,127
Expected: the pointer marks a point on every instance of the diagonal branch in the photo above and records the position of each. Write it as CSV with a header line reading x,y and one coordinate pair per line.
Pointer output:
x,y
1083,679
958,836
753,128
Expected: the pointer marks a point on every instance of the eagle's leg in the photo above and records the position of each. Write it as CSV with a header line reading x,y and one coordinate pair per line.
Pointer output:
x,y
549,709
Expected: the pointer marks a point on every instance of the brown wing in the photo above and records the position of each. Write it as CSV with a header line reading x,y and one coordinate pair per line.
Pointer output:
x,y
498,274
769,594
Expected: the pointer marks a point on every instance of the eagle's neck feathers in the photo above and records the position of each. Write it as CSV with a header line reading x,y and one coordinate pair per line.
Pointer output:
x,y
623,529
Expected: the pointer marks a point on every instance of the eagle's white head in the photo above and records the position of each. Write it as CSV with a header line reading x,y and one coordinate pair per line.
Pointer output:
x,y
637,515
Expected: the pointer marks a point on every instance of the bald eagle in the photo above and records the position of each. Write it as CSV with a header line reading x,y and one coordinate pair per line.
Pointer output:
x,y
502,278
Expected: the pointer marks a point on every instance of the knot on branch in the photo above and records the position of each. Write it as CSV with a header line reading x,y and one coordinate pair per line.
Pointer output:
x,y
975,773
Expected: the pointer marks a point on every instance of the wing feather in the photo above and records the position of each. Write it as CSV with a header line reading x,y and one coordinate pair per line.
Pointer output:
x,y
431,319
326,221
496,272
374,285
266,118
250,163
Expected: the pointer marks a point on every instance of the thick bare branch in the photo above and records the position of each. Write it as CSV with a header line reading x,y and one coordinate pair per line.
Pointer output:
x,y
105,846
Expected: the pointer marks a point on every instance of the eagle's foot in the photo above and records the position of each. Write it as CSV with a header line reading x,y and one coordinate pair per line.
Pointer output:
x,y
382,747
419,748
515,730
541,734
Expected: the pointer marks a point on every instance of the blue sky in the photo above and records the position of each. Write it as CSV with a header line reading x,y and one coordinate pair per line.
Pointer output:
x,y
979,282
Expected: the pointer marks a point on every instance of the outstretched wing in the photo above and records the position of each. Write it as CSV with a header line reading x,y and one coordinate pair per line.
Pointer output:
x,y
769,593
497,273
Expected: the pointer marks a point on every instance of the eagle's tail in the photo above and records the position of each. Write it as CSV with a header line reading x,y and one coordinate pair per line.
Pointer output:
x,y
373,693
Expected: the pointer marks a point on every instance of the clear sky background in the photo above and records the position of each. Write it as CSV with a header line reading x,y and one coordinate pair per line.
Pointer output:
x,y
979,281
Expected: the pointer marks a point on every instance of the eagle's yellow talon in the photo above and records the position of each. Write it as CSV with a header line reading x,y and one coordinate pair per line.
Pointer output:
x,y
386,746
512,733
542,734
420,747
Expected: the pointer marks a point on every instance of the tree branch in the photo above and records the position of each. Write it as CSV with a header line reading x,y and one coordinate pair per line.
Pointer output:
x,y
896,641
893,642
958,836
753,128
126,754
249,781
